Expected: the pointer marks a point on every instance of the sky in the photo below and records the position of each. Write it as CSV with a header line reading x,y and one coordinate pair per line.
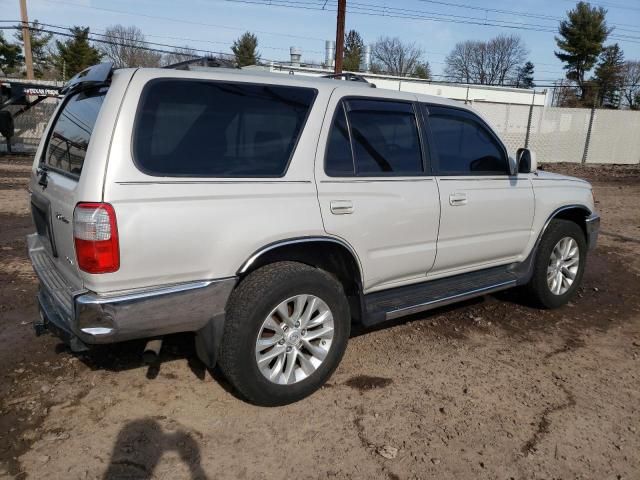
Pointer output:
x,y
214,24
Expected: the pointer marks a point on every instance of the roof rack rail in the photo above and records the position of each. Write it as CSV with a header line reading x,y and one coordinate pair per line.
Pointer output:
x,y
203,62
350,77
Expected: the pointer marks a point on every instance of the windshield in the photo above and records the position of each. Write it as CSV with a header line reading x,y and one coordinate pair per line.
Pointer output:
x,y
69,138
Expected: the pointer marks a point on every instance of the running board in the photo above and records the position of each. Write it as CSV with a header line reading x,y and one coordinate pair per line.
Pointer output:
x,y
401,301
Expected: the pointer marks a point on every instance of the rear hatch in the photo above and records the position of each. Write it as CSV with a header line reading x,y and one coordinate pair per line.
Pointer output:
x,y
60,167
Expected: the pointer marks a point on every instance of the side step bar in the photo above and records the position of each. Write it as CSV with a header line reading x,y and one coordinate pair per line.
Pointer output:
x,y
398,302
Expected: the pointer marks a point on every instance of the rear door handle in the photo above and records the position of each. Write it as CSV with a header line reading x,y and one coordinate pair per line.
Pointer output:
x,y
457,199
341,207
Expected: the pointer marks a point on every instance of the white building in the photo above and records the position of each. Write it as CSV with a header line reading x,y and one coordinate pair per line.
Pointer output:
x,y
462,92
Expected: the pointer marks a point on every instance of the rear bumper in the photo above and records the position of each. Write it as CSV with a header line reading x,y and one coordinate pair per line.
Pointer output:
x,y
84,317
593,228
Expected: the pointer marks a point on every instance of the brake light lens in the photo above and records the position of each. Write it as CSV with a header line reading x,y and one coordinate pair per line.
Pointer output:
x,y
95,234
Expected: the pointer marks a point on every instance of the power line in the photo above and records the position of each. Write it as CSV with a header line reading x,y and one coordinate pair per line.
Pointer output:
x,y
67,27
392,12
514,12
176,20
451,82
91,37
610,5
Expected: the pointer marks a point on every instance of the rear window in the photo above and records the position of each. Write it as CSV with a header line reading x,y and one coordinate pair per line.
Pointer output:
x,y
71,132
218,129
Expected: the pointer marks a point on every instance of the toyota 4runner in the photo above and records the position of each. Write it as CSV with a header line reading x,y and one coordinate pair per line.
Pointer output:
x,y
266,213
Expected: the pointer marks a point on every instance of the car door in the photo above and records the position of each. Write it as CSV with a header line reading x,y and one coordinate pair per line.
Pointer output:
x,y
374,188
487,214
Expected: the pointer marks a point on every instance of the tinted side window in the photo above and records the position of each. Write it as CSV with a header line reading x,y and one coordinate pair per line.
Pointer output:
x,y
70,135
464,145
339,159
385,137
218,129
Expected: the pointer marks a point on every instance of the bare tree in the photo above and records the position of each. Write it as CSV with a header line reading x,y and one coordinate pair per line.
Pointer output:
x,y
495,62
393,56
127,48
631,84
460,62
178,55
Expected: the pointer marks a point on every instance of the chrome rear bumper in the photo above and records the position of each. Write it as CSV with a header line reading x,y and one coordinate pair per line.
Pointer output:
x,y
82,316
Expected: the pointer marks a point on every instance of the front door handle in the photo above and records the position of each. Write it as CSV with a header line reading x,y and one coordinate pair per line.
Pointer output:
x,y
457,199
341,207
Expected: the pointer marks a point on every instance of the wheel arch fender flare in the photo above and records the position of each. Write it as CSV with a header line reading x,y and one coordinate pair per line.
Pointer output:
x,y
565,212
577,211
260,253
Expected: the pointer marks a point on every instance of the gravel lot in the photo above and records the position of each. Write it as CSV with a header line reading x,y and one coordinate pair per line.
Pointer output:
x,y
487,389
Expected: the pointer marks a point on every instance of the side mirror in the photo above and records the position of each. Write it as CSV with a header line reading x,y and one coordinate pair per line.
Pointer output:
x,y
526,161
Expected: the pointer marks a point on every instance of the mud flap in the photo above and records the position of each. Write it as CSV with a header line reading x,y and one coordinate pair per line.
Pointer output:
x,y
208,340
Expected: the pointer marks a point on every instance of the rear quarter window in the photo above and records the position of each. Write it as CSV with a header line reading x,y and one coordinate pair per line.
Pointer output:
x,y
69,137
218,129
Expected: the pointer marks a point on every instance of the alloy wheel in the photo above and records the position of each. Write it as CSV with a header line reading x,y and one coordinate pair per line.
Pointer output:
x,y
294,339
563,265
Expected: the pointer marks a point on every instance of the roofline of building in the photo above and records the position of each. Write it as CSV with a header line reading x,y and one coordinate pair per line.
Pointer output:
x,y
321,70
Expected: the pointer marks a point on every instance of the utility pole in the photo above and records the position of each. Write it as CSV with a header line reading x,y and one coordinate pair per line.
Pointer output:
x,y
342,12
26,39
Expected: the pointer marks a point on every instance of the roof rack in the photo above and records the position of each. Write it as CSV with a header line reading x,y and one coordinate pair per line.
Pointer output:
x,y
203,62
349,77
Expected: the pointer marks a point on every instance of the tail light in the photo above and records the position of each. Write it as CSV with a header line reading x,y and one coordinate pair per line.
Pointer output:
x,y
95,235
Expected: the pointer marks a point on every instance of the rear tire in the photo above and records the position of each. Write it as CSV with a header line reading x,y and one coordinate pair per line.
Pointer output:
x,y
267,357
558,267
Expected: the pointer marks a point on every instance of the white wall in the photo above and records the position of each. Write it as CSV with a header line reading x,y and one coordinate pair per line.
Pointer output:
x,y
560,134
475,93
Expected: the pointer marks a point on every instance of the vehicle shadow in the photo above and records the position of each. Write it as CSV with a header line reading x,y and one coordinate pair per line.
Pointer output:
x,y
128,356
140,446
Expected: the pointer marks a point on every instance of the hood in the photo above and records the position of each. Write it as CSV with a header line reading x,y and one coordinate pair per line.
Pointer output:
x,y
544,175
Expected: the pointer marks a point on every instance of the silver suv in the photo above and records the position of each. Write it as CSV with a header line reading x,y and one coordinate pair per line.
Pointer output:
x,y
266,213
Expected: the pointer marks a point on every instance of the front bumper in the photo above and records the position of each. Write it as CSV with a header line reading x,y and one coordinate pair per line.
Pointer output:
x,y
592,223
83,317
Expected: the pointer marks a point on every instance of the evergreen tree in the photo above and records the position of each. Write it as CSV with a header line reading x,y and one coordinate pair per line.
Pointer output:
x,y
609,76
524,76
581,41
353,50
75,54
245,49
10,56
423,70
39,51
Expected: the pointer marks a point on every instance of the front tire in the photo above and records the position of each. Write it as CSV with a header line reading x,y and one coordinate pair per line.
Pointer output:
x,y
559,264
286,330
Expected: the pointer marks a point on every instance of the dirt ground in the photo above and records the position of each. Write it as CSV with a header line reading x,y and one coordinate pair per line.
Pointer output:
x,y
487,389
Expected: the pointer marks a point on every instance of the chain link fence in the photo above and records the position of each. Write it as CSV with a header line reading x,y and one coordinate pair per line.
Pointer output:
x,y
29,126
575,135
